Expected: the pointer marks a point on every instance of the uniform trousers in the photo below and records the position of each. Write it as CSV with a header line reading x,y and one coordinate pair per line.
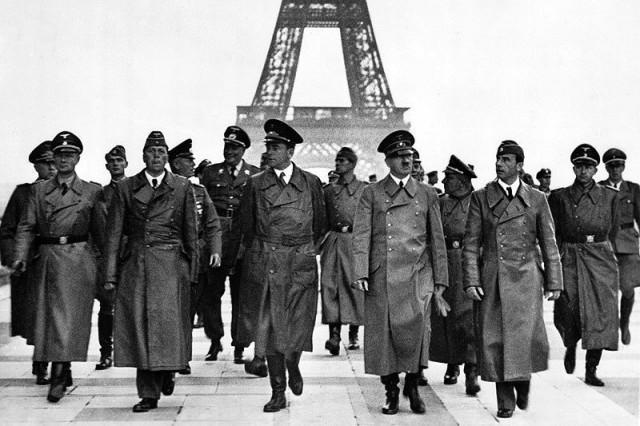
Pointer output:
x,y
149,383
197,295
212,304
506,397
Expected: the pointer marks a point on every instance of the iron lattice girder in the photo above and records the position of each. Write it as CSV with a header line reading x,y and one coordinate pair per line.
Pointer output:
x,y
368,86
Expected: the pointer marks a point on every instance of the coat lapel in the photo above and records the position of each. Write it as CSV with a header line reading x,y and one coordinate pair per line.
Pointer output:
x,y
142,191
165,186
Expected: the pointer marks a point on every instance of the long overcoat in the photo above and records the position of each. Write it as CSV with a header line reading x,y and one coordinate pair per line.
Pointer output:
x,y
64,275
399,246
154,271
341,303
501,257
281,229
586,227
452,337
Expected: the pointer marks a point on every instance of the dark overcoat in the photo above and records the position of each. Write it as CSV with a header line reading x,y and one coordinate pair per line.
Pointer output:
x,y
399,246
154,271
586,227
64,275
341,303
452,337
281,228
501,257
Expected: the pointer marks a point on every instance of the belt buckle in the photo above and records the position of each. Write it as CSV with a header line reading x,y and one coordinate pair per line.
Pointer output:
x,y
591,238
229,212
63,240
344,229
455,244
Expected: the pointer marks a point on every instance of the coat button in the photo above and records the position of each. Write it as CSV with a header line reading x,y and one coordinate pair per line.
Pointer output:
x,y
390,249
273,248
388,224
271,271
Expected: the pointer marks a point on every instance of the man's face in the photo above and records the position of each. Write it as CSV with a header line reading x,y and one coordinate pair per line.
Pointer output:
x,y
615,169
184,166
433,179
155,158
278,155
232,154
507,168
66,162
584,172
453,183
116,165
45,169
545,181
416,167
400,165
343,166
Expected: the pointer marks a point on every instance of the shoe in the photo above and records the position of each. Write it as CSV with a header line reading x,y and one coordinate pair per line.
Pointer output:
x,y
105,362
590,378
277,402
257,366
503,413
451,375
145,405
391,404
570,359
237,355
58,384
185,371
333,344
169,383
212,355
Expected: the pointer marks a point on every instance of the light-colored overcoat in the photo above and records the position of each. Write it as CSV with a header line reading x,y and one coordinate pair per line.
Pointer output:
x,y
399,246
501,257
154,271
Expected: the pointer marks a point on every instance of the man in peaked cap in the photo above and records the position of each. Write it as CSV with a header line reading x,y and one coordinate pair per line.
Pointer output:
x,y
417,172
452,337
182,163
400,260
64,220
341,304
433,180
626,243
23,295
152,269
586,217
505,221
225,183
115,163
544,177
283,221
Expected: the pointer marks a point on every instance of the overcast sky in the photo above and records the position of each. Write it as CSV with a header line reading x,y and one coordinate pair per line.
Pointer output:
x,y
548,74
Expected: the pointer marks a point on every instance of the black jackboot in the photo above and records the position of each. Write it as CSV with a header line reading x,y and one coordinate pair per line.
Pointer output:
x,y
58,382
411,391
592,361
471,384
39,368
105,338
626,306
353,338
278,379
333,344
257,366
451,375
570,359
390,383
295,377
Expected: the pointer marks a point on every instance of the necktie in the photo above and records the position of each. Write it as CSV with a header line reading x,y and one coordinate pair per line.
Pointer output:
x,y
232,171
509,193
282,181
154,183
401,185
65,188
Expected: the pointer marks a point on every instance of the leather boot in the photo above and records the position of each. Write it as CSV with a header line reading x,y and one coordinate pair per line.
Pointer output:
x,y
411,391
626,306
68,380
39,368
353,338
257,366
471,384
570,359
105,338
333,344
278,379
422,379
390,383
295,377
238,352
451,375
58,382
592,361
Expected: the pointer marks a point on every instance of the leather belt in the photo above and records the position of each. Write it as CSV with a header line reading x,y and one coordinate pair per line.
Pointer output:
x,y
224,212
343,229
453,243
65,239
585,239
626,225
287,241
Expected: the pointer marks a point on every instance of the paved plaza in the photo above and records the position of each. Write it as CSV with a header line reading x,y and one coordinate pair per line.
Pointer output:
x,y
336,390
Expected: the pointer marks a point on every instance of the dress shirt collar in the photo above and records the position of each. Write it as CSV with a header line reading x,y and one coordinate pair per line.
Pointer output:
x,y
287,173
397,180
150,178
514,186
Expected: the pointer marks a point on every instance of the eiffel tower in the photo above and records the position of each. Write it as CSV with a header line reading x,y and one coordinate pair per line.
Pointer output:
x,y
362,126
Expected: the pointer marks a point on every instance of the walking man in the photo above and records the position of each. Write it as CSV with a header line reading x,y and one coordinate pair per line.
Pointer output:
x,y
400,261
626,242
341,304
452,338
586,217
153,273
23,290
283,221
64,221
506,219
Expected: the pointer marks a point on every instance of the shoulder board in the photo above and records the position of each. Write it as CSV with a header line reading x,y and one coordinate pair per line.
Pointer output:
x,y
95,183
611,188
197,185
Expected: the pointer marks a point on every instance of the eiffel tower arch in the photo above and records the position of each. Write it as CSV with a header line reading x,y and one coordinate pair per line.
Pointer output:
x,y
372,114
